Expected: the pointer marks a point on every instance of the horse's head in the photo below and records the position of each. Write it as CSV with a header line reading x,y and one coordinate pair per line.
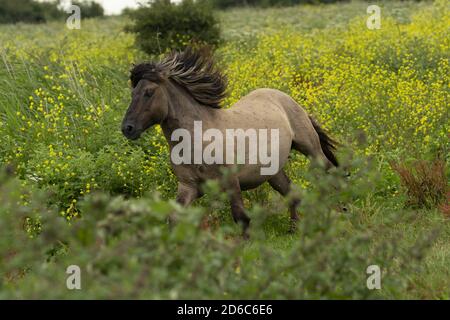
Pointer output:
x,y
149,102
190,70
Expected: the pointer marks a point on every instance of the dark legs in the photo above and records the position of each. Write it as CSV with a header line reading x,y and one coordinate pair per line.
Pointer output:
x,y
237,206
187,194
281,183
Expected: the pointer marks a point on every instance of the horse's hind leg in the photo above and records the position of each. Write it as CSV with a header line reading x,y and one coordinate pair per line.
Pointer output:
x,y
281,183
237,206
309,145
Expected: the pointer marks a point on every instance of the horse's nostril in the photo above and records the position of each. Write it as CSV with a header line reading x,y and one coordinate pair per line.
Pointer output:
x,y
128,129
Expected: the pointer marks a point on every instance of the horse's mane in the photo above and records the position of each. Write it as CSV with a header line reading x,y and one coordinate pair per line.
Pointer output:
x,y
193,70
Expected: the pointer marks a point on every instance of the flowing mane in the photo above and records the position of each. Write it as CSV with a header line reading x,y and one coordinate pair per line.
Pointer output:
x,y
194,71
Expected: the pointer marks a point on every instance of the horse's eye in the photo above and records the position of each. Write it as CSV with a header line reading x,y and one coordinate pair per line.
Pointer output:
x,y
148,93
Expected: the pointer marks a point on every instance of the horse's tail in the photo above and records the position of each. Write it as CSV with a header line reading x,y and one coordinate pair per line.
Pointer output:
x,y
328,144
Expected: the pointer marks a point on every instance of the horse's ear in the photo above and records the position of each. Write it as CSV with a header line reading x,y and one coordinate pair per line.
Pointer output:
x,y
132,80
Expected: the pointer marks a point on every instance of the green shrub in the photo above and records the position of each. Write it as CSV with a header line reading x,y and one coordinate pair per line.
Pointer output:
x,y
89,9
125,248
165,25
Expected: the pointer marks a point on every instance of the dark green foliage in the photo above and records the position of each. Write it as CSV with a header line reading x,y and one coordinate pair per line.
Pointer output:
x,y
89,9
29,11
125,248
163,25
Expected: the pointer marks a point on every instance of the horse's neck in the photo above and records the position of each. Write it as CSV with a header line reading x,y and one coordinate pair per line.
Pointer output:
x,y
183,111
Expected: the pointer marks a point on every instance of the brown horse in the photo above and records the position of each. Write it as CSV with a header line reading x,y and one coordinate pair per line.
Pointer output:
x,y
184,90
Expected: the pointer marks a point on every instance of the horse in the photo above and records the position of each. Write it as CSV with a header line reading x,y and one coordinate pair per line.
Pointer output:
x,y
186,87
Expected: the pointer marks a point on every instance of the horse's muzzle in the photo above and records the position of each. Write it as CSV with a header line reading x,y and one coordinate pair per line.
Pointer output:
x,y
130,131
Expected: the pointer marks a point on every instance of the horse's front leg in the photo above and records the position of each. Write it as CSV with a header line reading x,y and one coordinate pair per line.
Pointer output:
x,y
186,194
237,206
281,183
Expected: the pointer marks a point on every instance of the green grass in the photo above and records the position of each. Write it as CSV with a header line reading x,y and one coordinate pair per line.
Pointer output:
x,y
247,22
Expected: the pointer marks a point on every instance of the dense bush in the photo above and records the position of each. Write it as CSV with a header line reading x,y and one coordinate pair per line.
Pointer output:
x,y
89,9
125,248
30,11
164,25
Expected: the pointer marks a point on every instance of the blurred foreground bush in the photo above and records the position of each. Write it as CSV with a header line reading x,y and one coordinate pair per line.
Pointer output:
x,y
126,250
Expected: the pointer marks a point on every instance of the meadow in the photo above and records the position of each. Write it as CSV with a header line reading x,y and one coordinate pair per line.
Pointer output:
x,y
75,191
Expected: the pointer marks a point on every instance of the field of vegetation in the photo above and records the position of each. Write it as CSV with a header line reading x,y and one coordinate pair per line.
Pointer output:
x,y
74,191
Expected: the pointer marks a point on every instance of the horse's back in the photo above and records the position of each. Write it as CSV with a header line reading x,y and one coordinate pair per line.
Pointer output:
x,y
304,136
272,99
264,94
273,105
